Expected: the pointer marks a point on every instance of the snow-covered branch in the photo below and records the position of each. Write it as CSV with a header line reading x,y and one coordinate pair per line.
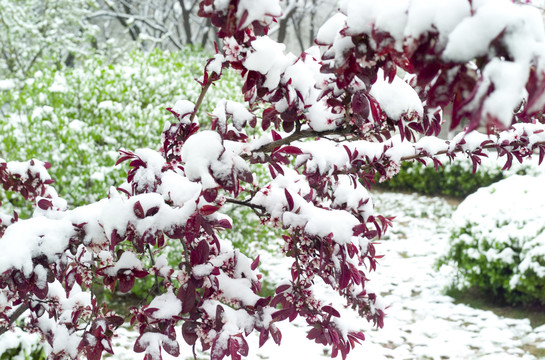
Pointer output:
x,y
333,118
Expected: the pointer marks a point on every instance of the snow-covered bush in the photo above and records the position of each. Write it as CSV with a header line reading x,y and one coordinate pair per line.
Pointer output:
x,y
334,117
455,178
79,118
499,241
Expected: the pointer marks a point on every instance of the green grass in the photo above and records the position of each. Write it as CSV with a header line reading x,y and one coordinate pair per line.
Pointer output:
x,y
479,300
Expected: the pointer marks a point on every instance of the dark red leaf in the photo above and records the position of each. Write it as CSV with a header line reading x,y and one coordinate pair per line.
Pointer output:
x,y
152,211
123,158
292,150
208,209
289,199
140,273
189,332
126,282
172,347
331,311
115,320
200,254
255,263
282,288
276,136
45,204
288,126
188,297
263,337
276,334
269,116
210,194
138,210
138,347
224,223
282,315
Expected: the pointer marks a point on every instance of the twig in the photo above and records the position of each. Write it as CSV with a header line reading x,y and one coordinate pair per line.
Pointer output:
x,y
296,135
18,312
245,203
201,98
157,289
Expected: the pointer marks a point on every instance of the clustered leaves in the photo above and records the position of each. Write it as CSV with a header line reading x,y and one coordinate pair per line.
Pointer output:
x,y
329,125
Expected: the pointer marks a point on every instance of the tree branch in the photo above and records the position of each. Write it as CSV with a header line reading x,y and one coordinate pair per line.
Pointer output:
x,y
297,135
121,17
201,98
186,23
444,152
246,203
18,312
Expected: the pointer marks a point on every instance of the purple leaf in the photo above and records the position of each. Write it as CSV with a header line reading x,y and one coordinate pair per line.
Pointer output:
x,y
289,199
255,263
45,204
331,311
138,210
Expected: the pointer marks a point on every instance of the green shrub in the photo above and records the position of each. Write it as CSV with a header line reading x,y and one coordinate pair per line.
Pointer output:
x,y
454,179
20,345
498,244
77,119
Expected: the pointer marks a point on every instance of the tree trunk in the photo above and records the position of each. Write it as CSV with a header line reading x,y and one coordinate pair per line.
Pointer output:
x,y
186,23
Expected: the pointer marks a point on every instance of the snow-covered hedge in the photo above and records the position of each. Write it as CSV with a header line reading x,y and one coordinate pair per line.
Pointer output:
x,y
499,241
78,118
454,178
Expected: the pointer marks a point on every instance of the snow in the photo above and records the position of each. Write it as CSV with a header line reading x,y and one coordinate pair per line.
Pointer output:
x,y
59,84
428,14
183,108
471,38
146,176
421,322
167,305
511,78
199,152
76,125
328,31
507,215
215,65
239,112
396,98
128,260
268,58
323,222
321,118
31,238
178,188
260,10
239,289
66,341
7,84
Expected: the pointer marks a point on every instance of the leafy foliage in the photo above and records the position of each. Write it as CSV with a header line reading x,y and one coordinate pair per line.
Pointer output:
x,y
452,179
501,251
79,117
333,118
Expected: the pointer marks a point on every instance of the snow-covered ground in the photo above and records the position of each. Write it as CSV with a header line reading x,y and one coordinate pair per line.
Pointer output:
x,y
421,323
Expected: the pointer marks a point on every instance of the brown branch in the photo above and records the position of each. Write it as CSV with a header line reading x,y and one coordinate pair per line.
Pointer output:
x,y
283,24
444,152
246,203
201,98
18,312
295,136
186,23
